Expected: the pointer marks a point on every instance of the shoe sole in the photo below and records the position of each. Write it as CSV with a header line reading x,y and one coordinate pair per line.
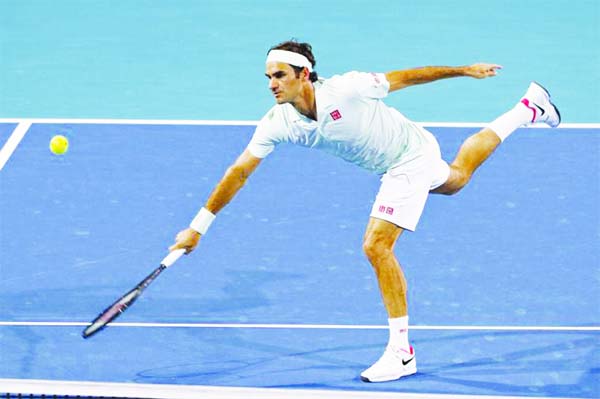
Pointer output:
x,y
411,372
550,101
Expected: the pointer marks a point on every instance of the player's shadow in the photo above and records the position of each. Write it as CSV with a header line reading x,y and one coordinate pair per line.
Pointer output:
x,y
281,365
527,370
531,370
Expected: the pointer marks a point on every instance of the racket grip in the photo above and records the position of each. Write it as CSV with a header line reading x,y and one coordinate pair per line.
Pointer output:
x,y
172,257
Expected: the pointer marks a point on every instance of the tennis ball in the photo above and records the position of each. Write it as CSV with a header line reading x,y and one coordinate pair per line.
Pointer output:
x,y
59,144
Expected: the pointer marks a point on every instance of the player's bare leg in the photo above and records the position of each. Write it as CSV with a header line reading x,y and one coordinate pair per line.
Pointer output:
x,y
473,152
379,241
398,359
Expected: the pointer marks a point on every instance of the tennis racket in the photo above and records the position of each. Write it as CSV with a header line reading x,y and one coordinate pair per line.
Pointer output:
x,y
121,304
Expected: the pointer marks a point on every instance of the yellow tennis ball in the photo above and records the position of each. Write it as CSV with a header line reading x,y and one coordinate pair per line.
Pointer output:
x,y
59,144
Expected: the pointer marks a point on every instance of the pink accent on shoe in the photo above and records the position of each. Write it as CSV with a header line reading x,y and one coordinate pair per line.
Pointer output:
x,y
525,102
410,350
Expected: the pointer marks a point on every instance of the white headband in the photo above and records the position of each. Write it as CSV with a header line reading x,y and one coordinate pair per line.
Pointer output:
x,y
289,57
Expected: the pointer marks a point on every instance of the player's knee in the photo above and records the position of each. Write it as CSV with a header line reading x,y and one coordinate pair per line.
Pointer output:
x,y
454,189
375,249
463,179
458,179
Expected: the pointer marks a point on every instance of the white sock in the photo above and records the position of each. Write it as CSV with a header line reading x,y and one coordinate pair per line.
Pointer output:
x,y
399,333
507,123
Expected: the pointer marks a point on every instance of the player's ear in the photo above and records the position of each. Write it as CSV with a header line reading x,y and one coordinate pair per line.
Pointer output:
x,y
306,73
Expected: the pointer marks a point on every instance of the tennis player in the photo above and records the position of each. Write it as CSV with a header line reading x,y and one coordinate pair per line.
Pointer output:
x,y
345,116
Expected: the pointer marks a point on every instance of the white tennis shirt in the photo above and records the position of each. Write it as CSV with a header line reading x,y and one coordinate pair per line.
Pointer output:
x,y
352,123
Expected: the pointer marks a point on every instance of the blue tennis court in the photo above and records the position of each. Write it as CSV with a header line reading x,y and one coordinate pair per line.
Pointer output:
x,y
503,278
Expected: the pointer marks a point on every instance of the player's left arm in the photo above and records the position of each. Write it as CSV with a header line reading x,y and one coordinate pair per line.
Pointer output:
x,y
410,77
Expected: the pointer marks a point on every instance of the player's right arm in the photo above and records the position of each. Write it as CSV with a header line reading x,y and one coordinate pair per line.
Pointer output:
x,y
234,179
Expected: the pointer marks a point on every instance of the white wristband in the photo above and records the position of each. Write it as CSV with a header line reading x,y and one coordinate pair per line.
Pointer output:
x,y
202,221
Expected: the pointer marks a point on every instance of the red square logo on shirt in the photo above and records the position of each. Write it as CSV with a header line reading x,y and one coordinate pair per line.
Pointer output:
x,y
336,115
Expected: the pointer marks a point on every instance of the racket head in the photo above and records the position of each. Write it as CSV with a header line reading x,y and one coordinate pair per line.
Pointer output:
x,y
121,304
111,313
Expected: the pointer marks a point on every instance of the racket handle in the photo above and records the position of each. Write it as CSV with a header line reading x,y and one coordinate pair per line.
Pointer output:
x,y
172,257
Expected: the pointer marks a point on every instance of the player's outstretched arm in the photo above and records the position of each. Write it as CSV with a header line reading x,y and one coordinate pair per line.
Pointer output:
x,y
234,179
410,77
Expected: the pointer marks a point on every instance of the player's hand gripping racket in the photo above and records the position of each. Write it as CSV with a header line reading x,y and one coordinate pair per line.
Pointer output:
x,y
121,304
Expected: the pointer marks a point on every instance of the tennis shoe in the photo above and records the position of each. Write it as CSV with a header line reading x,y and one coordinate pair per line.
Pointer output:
x,y
537,99
393,364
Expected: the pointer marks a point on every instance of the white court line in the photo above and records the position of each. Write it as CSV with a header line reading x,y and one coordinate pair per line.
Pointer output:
x,y
24,125
171,391
245,122
297,326
13,141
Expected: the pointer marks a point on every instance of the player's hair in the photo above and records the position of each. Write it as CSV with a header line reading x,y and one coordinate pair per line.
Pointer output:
x,y
301,48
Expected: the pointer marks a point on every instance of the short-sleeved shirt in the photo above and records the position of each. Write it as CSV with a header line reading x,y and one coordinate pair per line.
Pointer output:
x,y
352,123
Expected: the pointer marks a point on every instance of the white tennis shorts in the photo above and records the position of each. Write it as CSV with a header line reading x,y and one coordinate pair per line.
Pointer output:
x,y
404,188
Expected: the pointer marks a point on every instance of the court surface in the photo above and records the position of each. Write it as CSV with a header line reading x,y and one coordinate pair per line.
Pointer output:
x,y
503,277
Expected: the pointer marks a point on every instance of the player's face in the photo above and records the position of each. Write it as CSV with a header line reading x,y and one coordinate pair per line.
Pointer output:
x,y
283,82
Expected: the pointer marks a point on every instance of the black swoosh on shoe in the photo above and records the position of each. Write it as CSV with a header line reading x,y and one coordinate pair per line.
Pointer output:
x,y
540,108
551,103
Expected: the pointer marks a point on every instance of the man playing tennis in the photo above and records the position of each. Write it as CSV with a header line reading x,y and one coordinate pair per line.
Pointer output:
x,y
345,116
